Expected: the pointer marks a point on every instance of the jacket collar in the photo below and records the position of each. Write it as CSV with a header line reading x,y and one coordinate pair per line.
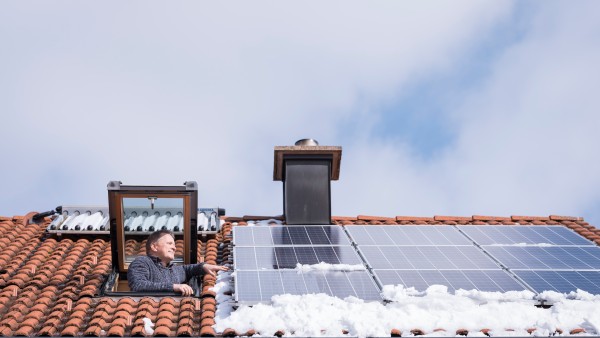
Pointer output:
x,y
158,262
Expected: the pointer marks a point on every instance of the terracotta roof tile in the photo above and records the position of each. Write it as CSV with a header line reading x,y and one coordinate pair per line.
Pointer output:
x,y
343,218
207,331
43,287
162,331
70,331
25,330
452,218
261,218
564,218
413,218
48,330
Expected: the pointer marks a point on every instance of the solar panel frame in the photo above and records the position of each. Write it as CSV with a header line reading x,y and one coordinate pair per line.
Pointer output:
x,y
297,235
271,282
427,257
561,281
531,235
287,257
414,235
483,280
546,258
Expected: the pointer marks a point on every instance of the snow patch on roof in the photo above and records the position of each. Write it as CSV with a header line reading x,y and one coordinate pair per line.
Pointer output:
x,y
329,267
505,314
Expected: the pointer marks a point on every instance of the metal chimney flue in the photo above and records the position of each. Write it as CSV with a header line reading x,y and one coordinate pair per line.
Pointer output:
x,y
307,170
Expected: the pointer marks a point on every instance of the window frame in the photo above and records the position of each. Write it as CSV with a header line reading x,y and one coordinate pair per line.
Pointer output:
x,y
116,194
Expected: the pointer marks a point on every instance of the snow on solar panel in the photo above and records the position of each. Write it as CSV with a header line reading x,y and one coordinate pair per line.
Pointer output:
x,y
511,234
290,235
561,281
260,286
406,235
552,257
483,280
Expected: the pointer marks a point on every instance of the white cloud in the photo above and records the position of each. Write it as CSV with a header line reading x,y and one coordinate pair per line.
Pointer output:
x,y
526,139
161,94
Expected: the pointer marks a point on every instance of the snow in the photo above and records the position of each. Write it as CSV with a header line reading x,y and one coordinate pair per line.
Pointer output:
x,y
504,314
148,326
329,267
266,222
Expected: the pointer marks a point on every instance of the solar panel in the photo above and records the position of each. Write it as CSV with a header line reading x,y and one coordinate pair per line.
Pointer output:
x,y
290,235
260,286
257,258
562,281
511,234
552,257
486,258
406,235
483,280
427,257
421,256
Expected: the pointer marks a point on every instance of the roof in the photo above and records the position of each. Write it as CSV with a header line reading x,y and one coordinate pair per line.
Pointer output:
x,y
49,283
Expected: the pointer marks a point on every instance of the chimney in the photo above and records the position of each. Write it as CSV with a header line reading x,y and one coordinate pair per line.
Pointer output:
x,y
306,170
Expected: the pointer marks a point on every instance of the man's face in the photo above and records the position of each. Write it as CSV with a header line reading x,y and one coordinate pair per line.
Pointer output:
x,y
164,248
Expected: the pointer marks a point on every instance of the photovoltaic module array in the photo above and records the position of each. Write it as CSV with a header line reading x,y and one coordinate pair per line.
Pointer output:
x,y
429,255
544,257
486,258
265,261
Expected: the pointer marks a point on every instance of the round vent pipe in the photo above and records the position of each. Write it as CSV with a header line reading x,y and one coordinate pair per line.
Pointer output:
x,y
307,142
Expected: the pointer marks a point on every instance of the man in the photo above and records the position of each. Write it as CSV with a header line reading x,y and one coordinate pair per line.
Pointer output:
x,y
155,271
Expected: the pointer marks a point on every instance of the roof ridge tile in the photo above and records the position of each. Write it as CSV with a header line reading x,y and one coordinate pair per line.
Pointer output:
x,y
529,218
374,218
565,218
413,218
343,218
452,218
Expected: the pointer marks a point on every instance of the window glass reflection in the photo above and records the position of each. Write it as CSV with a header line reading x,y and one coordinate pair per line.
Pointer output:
x,y
142,216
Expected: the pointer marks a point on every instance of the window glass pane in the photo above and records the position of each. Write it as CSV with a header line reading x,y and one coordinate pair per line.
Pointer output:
x,y
142,216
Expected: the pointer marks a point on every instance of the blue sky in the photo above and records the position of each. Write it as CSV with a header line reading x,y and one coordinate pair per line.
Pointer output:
x,y
445,108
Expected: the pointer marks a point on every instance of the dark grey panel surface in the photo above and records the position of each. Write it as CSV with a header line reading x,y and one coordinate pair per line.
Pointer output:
x,y
483,280
289,235
511,234
551,257
287,257
406,235
260,286
427,257
562,281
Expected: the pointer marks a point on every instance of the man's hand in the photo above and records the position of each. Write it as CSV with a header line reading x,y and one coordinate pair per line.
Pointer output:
x,y
185,289
212,269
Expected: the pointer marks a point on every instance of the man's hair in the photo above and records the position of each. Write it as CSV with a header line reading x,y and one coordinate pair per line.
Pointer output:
x,y
155,236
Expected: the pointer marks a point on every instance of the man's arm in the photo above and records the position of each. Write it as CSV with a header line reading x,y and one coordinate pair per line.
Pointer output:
x,y
139,278
192,270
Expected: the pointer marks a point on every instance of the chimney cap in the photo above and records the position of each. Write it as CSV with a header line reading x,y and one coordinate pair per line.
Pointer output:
x,y
307,142
334,151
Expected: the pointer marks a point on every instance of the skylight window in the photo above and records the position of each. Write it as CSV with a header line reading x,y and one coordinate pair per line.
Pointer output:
x,y
137,211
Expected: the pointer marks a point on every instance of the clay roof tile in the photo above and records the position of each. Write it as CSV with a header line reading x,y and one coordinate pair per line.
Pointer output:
x,y
70,331
207,331
116,331
162,331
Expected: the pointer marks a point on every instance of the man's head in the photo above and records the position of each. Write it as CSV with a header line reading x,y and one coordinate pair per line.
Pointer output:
x,y
161,244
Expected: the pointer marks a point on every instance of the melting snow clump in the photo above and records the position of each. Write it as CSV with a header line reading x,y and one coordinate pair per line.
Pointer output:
x,y
329,267
504,314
